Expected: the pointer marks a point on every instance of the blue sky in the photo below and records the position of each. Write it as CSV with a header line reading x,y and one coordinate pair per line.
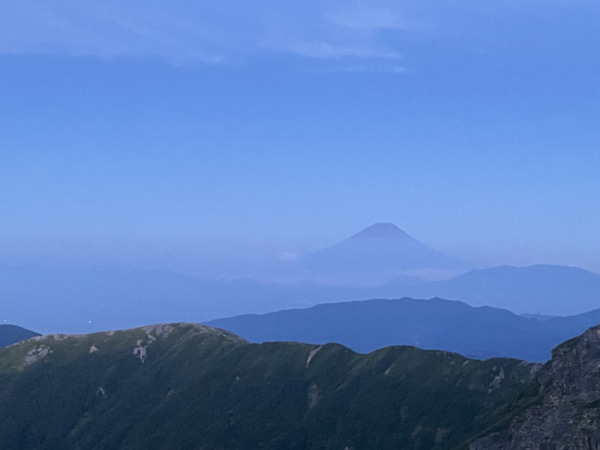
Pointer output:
x,y
165,135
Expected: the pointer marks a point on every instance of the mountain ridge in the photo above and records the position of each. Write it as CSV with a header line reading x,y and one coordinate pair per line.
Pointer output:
x,y
543,288
186,385
193,386
88,299
450,325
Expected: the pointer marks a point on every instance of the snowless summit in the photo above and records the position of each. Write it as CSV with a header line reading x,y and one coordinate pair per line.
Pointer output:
x,y
382,230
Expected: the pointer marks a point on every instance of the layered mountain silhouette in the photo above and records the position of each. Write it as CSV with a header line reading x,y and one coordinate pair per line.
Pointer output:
x,y
379,252
80,299
364,326
381,261
543,289
85,299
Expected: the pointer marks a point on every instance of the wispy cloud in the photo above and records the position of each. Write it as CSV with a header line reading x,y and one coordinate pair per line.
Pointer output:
x,y
108,29
198,31
213,32
325,50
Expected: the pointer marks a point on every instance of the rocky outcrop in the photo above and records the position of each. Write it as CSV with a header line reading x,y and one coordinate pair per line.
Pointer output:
x,y
564,410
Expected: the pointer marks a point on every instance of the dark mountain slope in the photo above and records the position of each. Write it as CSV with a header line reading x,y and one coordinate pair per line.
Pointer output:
x,y
187,386
431,324
9,334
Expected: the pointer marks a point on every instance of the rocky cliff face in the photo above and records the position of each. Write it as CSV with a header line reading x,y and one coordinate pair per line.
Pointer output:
x,y
564,410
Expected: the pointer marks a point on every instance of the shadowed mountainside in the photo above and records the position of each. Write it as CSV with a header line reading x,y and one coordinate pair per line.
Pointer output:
x,y
190,386
9,334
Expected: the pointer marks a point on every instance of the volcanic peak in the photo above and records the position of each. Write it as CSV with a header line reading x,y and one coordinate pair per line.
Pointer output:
x,y
381,230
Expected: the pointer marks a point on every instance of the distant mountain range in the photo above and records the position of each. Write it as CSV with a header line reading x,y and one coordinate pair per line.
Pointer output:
x,y
544,289
381,261
436,324
80,299
192,386
364,326
10,334
85,299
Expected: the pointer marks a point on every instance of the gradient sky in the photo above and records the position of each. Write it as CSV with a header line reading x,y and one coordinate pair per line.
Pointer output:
x,y
171,134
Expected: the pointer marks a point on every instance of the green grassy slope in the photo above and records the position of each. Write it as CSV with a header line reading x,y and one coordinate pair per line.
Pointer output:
x,y
194,387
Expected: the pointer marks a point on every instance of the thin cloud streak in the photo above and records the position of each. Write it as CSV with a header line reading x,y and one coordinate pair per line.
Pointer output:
x,y
213,32
185,30
325,50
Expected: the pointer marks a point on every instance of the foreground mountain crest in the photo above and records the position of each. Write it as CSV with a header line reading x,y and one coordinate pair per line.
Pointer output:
x,y
180,386
192,386
25,353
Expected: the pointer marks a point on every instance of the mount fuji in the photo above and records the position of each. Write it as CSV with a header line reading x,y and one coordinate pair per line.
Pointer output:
x,y
379,253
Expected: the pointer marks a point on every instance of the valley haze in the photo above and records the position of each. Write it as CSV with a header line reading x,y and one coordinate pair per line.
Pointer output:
x,y
381,261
